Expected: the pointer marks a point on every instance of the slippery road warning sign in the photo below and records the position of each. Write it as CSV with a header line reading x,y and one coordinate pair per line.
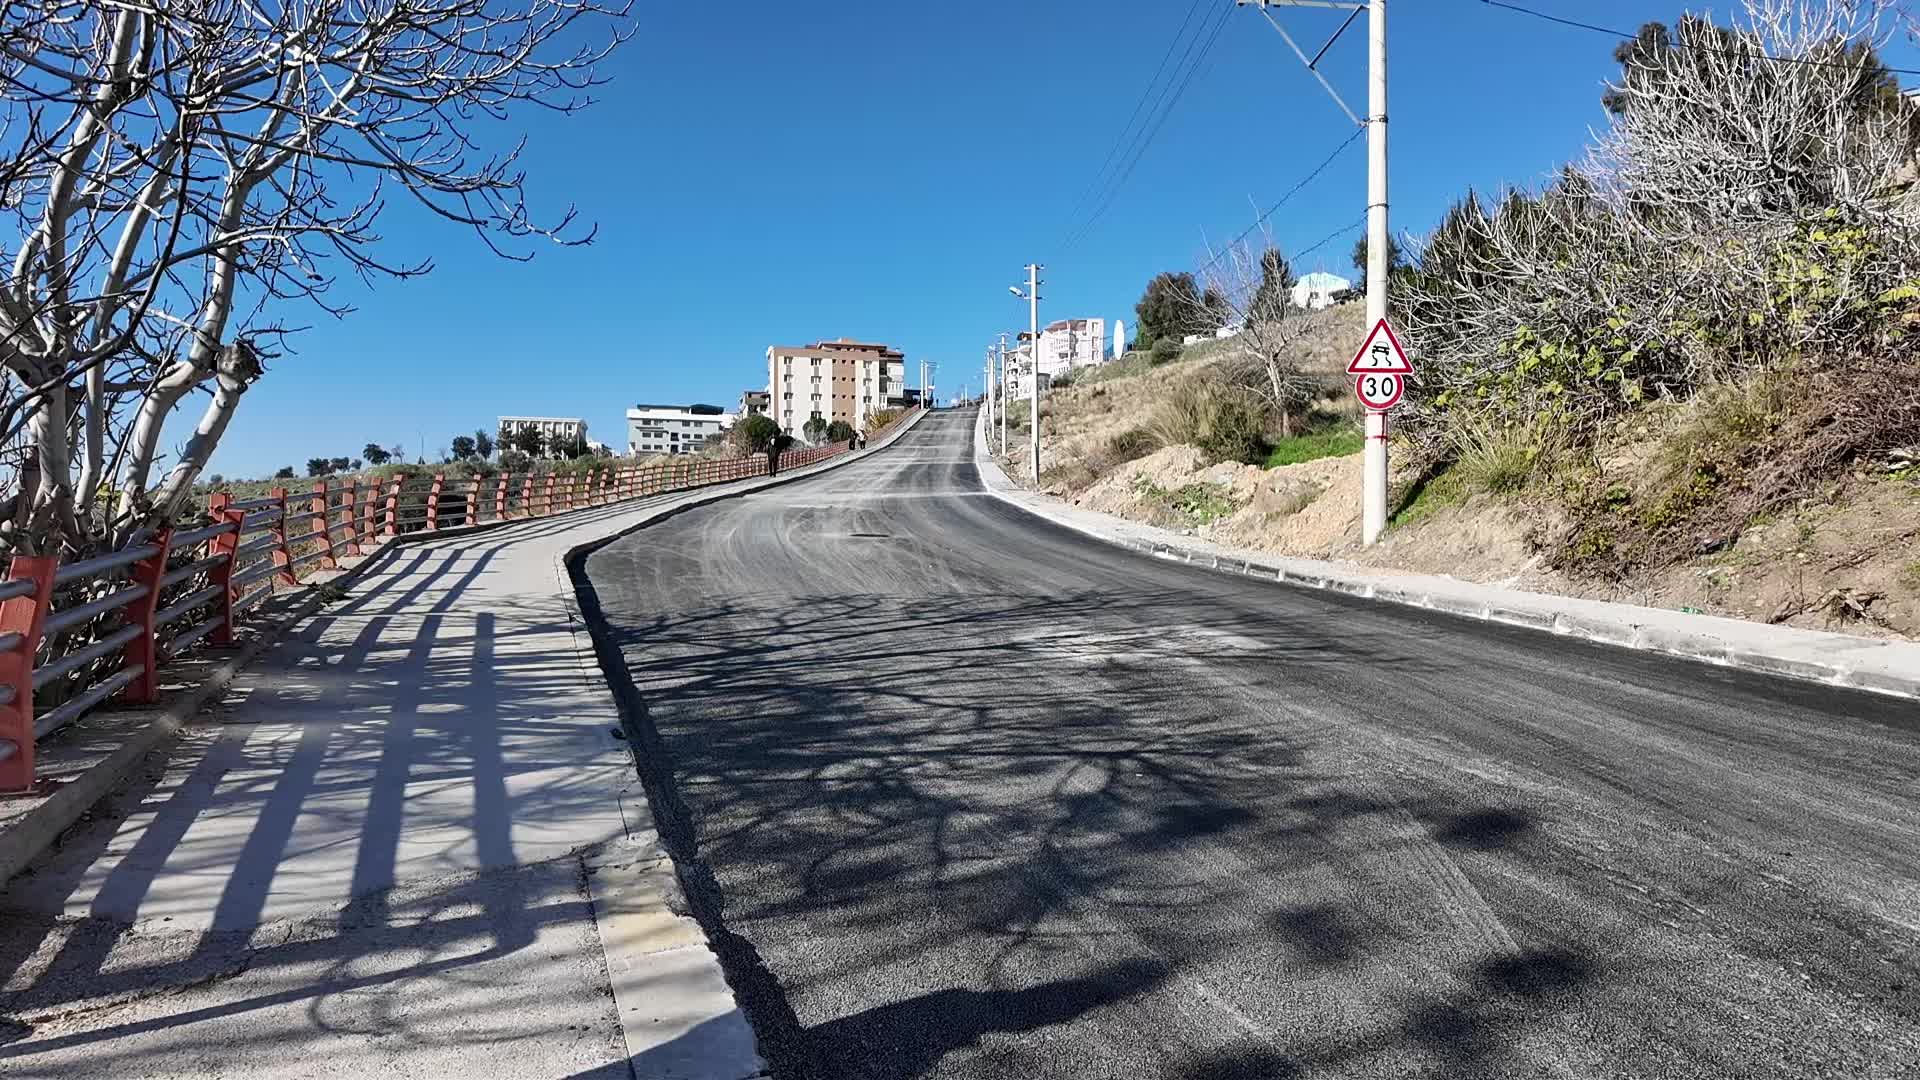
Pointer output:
x,y
1380,354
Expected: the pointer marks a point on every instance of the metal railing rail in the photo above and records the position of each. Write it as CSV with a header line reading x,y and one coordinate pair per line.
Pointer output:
x,y
141,610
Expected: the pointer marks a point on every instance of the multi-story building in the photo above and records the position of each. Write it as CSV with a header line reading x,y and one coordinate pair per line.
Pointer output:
x,y
1316,291
673,429
755,403
555,431
1019,376
1072,343
833,380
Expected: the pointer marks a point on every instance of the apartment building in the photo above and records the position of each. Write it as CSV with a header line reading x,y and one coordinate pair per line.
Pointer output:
x,y
833,380
755,403
554,431
1072,343
673,429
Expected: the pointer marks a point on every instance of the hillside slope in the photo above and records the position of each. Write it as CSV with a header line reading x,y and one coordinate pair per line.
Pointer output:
x,y
1848,559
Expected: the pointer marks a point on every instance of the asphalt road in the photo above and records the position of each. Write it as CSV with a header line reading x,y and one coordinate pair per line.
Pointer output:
x,y
961,794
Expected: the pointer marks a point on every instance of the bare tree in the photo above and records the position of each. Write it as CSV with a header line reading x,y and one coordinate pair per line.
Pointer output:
x,y
178,171
1255,285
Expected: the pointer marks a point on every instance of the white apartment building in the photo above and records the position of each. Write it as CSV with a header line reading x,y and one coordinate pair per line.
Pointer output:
x,y
1019,377
1315,291
833,380
673,429
554,430
1072,343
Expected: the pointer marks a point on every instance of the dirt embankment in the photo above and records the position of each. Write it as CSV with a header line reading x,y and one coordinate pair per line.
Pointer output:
x,y
1848,560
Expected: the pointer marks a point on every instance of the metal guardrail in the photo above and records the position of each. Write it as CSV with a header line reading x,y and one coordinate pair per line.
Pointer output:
x,y
251,547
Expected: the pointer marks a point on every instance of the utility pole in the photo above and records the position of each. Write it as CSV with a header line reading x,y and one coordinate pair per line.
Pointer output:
x,y
1032,297
986,399
1373,499
1373,459
1004,448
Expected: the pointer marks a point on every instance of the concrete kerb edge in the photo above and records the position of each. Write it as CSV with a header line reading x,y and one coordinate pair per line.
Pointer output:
x,y
1621,632
603,656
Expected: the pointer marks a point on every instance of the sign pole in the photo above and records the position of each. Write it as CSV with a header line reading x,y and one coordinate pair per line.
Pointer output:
x,y
1373,500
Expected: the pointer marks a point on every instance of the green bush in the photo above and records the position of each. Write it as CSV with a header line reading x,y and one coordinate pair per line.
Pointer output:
x,y
1165,351
1224,423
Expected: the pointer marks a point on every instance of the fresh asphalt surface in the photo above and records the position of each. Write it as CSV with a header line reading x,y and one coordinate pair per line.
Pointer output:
x,y
961,794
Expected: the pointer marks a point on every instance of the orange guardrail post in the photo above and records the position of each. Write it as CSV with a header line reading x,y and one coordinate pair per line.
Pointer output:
x,y
22,615
433,501
143,650
323,522
282,554
225,544
352,506
393,504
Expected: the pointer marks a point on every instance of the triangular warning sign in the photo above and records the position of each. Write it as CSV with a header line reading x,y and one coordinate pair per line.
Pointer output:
x,y
1380,354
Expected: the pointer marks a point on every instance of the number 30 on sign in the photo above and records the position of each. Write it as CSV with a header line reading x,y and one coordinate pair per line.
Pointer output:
x,y
1379,391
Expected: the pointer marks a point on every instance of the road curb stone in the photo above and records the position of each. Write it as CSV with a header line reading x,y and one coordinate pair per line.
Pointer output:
x,y
1869,664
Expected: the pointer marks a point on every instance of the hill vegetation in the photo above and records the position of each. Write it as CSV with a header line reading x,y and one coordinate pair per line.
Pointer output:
x,y
1680,374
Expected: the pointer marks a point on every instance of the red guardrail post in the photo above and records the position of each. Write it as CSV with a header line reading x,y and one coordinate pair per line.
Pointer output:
x,y
352,507
547,504
224,544
282,554
433,501
143,649
393,505
500,499
22,615
473,500
323,522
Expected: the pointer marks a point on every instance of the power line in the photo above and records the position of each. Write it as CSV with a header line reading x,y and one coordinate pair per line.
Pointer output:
x,y
1146,92
1749,54
1291,192
1330,238
1150,133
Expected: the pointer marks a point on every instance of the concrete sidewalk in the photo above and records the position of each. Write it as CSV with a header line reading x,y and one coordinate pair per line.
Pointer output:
x,y
411,843
1887,667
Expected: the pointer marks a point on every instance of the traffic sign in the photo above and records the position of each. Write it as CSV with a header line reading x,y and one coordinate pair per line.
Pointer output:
x,y
1381,353
1379,390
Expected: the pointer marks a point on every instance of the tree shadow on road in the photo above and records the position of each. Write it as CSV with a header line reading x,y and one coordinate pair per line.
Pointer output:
x,y
938,827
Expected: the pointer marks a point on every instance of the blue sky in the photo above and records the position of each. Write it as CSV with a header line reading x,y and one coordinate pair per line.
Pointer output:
x,y
769,173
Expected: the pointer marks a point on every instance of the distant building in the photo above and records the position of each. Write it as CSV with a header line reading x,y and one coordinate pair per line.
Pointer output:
x,y
833,380
1019,378
755,403
673,429
554,431
1316,290
1072,343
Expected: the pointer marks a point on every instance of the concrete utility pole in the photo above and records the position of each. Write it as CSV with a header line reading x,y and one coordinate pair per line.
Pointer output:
x,y
1032,297
1004,448
1373,499
1373,459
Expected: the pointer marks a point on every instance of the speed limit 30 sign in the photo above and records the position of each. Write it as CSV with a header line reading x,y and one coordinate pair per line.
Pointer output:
x,y
1379,391
1380,369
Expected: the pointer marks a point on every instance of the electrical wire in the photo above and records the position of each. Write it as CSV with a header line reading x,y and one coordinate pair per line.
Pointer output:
x,y
1145,142
1610,32
1291,192
1113,152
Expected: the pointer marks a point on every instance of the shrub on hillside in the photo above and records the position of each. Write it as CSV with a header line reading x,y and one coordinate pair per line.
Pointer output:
x,y
1165,351
1737,217
1224,423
